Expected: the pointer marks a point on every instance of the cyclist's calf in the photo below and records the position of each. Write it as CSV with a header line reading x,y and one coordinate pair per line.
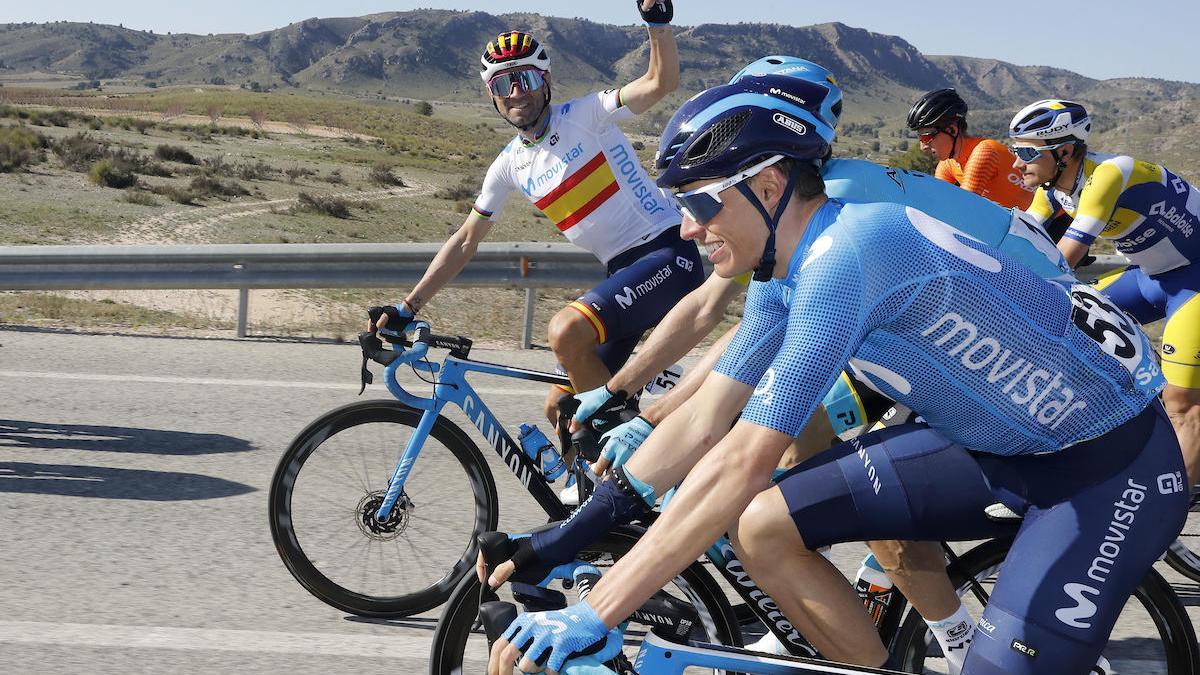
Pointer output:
x,y
919,569
810,591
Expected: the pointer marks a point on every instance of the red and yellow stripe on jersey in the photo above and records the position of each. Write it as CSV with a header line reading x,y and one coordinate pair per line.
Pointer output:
x,y
594,318
580,194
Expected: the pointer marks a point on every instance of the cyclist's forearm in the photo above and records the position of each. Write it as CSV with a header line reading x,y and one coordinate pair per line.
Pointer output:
x,y
679,331
685,436
691,382
445,266
662,73
707,504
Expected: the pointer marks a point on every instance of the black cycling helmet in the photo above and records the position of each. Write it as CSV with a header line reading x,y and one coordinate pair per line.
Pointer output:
x,y
937,109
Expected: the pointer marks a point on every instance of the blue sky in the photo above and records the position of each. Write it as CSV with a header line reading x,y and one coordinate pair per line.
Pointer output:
x,y
1100,38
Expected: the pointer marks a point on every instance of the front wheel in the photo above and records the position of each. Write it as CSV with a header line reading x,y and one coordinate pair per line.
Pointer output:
x,y
460,646
1153,634
328,487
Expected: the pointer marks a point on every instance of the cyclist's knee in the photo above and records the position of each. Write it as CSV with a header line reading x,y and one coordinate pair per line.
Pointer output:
x,y
766,527
570,331
1181,402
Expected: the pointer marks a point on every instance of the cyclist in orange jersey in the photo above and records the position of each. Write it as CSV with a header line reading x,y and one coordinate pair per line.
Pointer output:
x,y
981,165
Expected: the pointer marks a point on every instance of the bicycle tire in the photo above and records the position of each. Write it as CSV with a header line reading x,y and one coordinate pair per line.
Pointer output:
x,y
1174,627
317,435
459,616
1184,554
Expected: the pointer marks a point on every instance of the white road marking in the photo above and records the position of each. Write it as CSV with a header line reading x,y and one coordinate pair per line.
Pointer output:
x,y
420,389
212,639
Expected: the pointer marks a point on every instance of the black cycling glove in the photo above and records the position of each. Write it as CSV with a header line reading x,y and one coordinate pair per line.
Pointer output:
x,y
660,13
399,316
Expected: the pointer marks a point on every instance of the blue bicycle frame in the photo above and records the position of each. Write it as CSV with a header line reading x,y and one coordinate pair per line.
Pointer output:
x,y
452,387
664,657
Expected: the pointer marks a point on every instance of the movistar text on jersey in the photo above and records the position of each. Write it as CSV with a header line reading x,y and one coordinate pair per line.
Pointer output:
x,y
1043,396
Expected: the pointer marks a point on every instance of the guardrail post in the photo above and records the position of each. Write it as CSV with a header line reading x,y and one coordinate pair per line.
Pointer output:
x,y
530,301
243,310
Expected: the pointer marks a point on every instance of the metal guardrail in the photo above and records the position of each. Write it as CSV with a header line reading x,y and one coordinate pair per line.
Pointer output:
x,y
247,266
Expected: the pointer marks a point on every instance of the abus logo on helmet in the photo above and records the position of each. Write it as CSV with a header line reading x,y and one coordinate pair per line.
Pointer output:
x,y
790,123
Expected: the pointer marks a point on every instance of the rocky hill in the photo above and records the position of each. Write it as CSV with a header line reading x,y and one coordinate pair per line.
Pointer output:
x,y
432,54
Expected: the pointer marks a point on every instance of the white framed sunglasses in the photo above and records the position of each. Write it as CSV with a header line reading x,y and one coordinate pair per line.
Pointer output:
x,y
1028,153
702,204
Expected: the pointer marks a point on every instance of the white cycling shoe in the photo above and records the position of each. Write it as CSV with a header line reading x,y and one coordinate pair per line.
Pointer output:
x,y
768,644
569,495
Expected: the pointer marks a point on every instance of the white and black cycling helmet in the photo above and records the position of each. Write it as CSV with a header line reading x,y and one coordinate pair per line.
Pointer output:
x,y
1051,120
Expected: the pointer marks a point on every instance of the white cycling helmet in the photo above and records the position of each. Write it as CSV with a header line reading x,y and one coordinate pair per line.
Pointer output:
x,y
1051,120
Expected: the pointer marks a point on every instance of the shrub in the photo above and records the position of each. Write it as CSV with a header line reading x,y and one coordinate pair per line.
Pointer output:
x,y
111,173
174,153
381,174
19,147
335,177
467,189
207,186
79,152
175,194
297,172
139,197
330,206
258,170
423,108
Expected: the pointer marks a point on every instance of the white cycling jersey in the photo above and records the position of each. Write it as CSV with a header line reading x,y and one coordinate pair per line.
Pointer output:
x,y
585,176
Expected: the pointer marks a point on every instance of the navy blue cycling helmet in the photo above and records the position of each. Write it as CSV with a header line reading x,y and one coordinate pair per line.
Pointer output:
x,y
829,109
728,128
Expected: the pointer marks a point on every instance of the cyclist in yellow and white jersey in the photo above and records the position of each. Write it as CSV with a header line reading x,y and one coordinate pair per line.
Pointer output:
x,y
1150,213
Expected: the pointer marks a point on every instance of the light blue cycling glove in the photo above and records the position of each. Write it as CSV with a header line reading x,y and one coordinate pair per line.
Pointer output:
x,y
620,441
550,638
590,401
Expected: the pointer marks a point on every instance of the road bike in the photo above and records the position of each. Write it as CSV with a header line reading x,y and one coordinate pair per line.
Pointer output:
x,y
682,626
366,527
1184,554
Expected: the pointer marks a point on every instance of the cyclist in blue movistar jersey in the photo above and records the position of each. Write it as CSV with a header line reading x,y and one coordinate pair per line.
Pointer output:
x,y
917,568
1055,394
575,165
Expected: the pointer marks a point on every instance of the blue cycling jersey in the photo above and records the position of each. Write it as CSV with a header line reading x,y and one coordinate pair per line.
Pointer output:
x,y
1011,230
991,355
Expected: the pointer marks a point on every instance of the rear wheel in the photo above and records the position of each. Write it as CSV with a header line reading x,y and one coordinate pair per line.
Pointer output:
x,y
1184,554
1153,608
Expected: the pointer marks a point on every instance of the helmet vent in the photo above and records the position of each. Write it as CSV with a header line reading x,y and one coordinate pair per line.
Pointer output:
x,y
715,140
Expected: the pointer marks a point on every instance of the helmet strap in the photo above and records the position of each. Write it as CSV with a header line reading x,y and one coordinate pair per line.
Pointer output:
x,y
1060,165
766,265
953,139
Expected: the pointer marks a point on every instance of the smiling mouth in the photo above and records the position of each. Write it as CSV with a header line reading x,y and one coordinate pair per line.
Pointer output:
x,y
713,247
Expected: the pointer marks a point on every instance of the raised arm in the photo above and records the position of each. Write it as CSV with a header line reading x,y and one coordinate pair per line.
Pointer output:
x,y
662,74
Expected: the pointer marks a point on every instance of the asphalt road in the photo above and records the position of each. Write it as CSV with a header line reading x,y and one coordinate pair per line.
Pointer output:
x,y
133,481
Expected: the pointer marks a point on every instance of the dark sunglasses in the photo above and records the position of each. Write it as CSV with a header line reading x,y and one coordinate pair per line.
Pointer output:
x,y
928,136
703,204
525,81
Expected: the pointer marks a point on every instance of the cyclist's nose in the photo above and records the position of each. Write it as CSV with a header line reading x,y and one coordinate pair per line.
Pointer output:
x,y
690,229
